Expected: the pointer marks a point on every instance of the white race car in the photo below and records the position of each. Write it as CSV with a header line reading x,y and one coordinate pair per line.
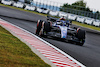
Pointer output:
x,y
61,29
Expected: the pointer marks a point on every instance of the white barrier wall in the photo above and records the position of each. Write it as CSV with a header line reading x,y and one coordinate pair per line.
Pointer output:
x,y
53,13
45,11
32,8
14,4
39,10
89,21
72,16
80,19
6,2
96,23
63,14
42,10
18,4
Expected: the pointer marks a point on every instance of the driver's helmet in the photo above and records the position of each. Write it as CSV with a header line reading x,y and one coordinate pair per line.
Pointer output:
x,y
62,18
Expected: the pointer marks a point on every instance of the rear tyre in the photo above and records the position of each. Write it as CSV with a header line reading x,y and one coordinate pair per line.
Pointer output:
x,y
39,26
81,36
81,43
47,27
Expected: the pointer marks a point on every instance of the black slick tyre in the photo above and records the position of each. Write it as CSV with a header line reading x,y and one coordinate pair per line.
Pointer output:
x,y
81,36
39,26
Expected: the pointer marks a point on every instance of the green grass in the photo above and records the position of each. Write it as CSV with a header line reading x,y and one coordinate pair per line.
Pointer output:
x,y
14,53
86,26
74,22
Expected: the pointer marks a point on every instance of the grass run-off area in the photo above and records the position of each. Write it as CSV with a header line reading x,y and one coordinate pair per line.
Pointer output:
x,y
86,26
14,53
74,22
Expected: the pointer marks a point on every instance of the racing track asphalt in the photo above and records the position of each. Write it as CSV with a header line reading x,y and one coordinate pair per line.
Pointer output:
x,y
88,54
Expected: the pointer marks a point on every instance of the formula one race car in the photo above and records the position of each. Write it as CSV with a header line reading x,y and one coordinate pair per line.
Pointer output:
x,y
60,29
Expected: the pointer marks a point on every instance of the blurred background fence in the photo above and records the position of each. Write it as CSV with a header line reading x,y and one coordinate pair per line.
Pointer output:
x,y
76,11
55,6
